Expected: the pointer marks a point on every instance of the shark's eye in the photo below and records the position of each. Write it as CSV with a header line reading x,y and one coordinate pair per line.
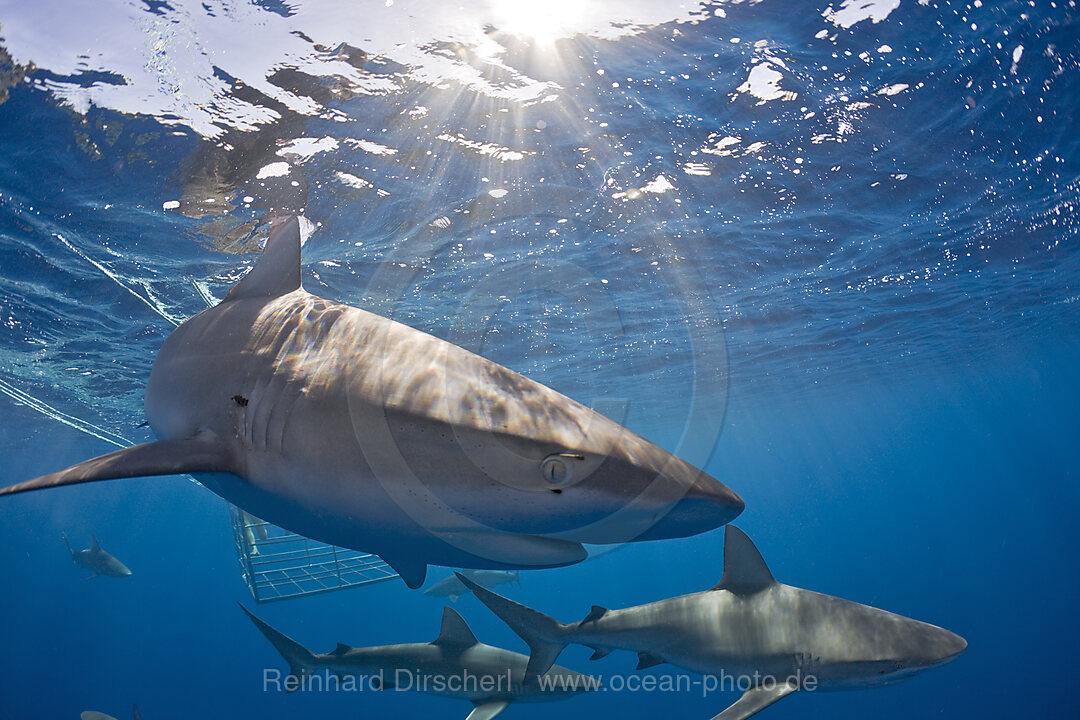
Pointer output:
x,y
556,469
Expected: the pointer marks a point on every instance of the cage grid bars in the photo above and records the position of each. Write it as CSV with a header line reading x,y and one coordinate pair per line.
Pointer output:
x,y
278,565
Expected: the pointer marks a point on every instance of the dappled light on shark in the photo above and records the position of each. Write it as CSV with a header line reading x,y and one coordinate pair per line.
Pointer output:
x,y
358,431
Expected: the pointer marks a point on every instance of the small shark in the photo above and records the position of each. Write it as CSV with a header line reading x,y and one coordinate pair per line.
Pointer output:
x,y
95,715
454,665
358,431
451,587
97,560
776,638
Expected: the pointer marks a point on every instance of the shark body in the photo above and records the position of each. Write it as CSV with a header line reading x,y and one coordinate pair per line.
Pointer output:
x,y
450,587
454,665
361,432
780,638
97,560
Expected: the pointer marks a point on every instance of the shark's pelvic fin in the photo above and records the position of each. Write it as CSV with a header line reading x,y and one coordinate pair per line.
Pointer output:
x,y
411,570
296,655
201,453
745,571
455,633
599,653
756,699
648,660
277,272
544,634
487,709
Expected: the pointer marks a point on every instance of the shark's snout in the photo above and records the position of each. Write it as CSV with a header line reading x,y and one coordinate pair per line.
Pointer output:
x,y
707,505
950,645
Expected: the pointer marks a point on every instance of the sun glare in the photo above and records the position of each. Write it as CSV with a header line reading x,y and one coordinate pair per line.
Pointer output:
x,y
542,21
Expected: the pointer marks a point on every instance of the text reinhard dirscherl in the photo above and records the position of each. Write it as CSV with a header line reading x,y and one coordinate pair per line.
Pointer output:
x,y
465,681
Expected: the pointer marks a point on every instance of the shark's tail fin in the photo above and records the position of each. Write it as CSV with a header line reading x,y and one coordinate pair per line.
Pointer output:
x,y
296,655
546,636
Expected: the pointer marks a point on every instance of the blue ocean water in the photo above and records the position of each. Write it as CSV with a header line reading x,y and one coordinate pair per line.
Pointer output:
x,y
828,252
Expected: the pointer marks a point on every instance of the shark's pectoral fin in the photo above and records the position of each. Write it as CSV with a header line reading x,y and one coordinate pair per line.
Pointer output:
x,y
756,699
487,709
201,453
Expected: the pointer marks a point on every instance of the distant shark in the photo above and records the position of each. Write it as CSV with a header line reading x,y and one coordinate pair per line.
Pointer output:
x,y
95,559
454,665
451,587
95,715
771,639
361,432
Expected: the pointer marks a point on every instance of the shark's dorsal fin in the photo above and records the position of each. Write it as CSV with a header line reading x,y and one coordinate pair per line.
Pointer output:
x,y
455,633
648,660
745,572
596,613
341,649
94,544
277,272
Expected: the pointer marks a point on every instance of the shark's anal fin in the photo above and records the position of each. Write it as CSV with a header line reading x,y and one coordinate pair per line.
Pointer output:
x,y
487,709
756,699
201,453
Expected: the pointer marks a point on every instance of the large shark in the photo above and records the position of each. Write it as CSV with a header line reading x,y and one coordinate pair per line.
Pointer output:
x,y
95,559
361,432
454,665
769,639
451,587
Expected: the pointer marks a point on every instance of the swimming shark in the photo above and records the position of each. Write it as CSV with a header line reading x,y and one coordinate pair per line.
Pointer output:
x,y
95,715
95,559
454,665
358,431
451,587
769,639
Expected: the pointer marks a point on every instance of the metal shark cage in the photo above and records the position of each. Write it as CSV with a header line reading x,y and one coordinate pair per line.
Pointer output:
x,y
278,565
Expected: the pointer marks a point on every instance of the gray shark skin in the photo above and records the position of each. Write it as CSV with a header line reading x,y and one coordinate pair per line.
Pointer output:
x,y
748,626
97,560
361,432
95,715
451,587
432,668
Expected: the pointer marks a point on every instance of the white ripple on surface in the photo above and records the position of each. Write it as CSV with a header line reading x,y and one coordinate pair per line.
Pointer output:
x,y
181,63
